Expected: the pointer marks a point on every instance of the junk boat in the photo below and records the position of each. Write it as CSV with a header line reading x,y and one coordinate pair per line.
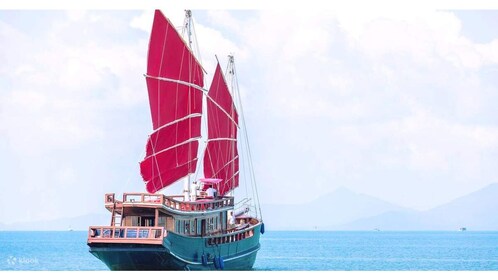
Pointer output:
x,y
204,227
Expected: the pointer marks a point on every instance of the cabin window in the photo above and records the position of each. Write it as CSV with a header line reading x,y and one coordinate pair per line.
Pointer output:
x,y
161,221
203,227
187,227
135,221
222,220
208,225
211,225
194,227
147,222
178,227
170,223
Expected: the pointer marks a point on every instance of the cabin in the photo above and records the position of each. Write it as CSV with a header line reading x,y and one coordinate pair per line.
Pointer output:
x,y
148,218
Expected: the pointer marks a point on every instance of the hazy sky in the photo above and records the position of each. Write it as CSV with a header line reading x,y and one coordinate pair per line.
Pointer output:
x,y
400,104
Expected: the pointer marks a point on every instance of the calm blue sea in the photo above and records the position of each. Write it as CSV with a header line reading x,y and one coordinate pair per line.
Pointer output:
x,y
284,251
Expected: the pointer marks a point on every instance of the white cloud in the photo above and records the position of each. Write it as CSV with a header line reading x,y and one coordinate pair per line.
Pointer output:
x,y
144,21
225,19
436,144
63,95
76,15
426,37
371,92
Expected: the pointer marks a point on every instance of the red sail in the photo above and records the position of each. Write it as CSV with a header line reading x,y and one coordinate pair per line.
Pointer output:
x,y
174,81
221,159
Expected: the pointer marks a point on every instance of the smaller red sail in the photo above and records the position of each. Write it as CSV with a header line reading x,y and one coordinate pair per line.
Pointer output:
x,y
221,158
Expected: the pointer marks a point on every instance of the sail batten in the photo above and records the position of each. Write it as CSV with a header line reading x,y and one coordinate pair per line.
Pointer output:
x,y
155,153
223,110
228,164
175,81
169,166
191,116
222,139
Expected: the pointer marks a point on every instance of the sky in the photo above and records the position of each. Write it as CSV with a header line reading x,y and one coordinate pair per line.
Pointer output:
x,y
396,103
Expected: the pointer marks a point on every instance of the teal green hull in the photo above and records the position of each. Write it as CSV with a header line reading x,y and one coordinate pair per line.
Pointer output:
x,y
180,253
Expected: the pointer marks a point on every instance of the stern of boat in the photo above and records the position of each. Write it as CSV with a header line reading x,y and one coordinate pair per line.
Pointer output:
x,y
128,248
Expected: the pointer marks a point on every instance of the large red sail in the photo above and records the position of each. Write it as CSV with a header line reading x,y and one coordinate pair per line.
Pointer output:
x,y
221,159
174,82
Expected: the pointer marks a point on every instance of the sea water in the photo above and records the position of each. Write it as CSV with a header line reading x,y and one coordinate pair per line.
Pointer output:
x,y
285,251
379,251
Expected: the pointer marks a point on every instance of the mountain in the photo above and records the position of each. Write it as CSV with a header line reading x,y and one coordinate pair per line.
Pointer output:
x,y
75,223
475,211
339,207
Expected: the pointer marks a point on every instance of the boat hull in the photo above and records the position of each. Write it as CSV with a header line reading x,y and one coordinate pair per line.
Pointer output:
x,y
180,253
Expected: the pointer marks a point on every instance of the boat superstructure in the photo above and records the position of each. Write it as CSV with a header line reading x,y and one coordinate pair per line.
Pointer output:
x,y
159,232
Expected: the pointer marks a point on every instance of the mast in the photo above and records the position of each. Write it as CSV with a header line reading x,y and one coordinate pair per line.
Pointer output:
x,y
230,78
187,28
189,34
187,24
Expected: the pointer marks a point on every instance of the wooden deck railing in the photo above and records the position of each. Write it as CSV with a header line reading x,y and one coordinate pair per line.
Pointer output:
x,y
232,236
145,235
173,202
